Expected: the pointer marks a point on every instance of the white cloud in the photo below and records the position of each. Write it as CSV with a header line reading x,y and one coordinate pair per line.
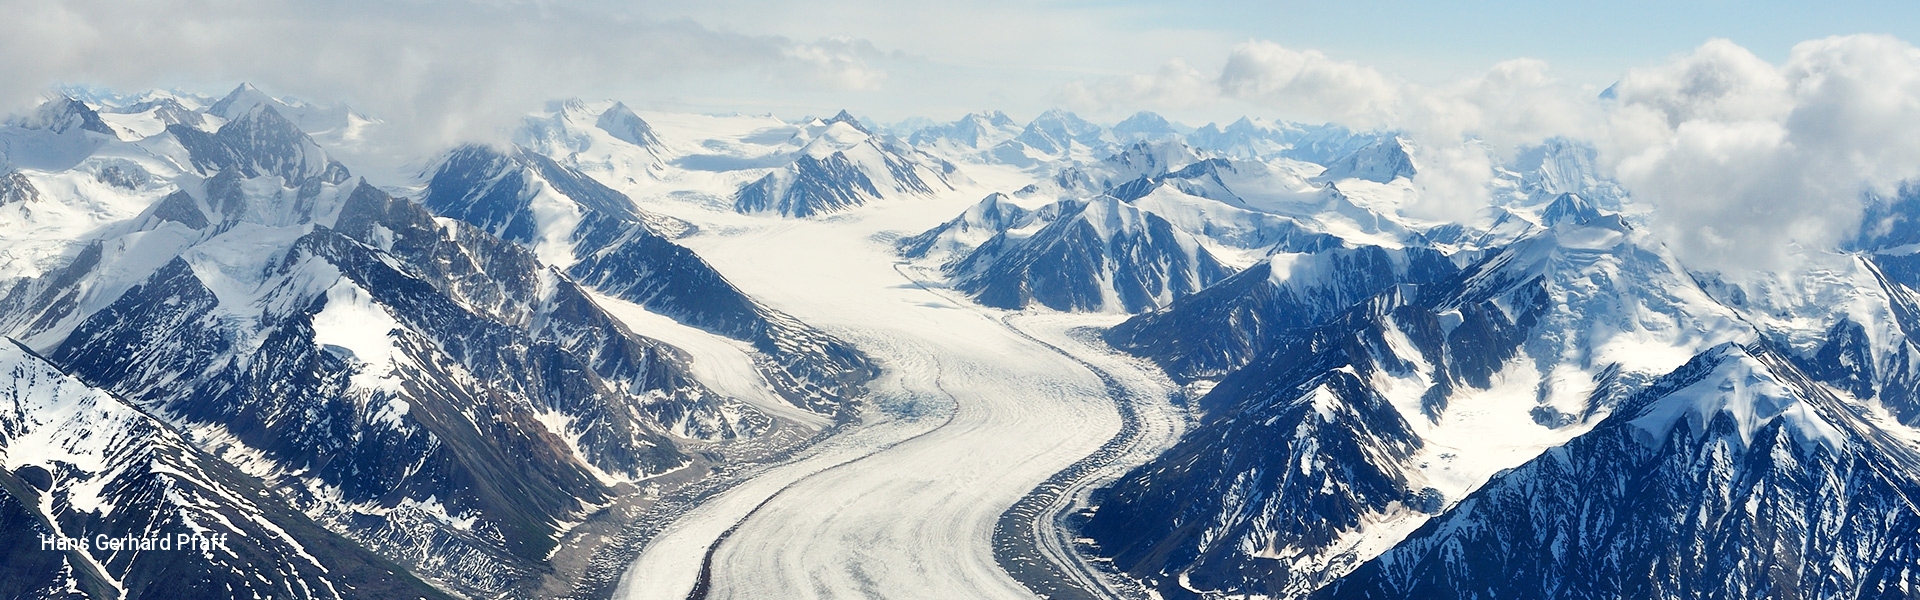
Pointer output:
x,y
1309,83
835,63
1515,102
1741,159
440,71
1176,85
1745,160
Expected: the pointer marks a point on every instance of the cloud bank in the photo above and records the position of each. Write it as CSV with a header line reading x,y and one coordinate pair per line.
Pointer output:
x,y
439,72
1744,161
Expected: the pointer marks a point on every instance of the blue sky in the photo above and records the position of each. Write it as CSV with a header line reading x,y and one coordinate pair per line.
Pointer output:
x,y
1590,39
1016,56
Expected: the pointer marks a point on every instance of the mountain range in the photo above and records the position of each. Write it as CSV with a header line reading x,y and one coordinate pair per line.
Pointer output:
x,y
217,327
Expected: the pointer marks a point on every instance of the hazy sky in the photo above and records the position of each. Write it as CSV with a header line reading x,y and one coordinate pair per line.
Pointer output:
x,y
884,59
955,57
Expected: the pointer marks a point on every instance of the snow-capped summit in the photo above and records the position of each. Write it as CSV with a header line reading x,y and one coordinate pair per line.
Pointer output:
x,y
604,139
237,102
1147,159
63,114
837,164
1057,132
1380,162
1148,125
1092,255
1568,208
337,124
849,119
525,197
969,134
1127,173
259,141
620,122
161,113
1732,476
1304,284
1402,403
951,240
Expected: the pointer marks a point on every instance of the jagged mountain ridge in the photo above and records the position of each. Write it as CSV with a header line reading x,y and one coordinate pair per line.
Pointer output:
x,y
1733,476
1095,255
274,272
836,164
601,239
1292,457
1228,325
1401,381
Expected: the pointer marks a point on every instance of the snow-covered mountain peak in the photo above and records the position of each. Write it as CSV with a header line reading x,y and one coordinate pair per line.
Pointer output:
x,y
1148,125
338,124
63,114
1057,132
1381,162
620,122
1110,216
993,118
260,141
1098,254
243,98
605,139
835,165
827,138
849,119
1059,119
1151,158
525,197
1743,390
995,215
1569,208
969,137
1602,292
151,117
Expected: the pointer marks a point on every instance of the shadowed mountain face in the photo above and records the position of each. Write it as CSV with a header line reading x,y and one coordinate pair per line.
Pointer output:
x,y
836,164
291,350
382,434
1348,426
1094,255
415,391
1734,476
74,450
604,241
